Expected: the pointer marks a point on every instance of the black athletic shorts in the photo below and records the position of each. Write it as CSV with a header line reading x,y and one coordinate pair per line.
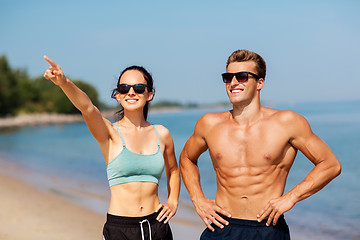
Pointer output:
x,y
129,228
249,230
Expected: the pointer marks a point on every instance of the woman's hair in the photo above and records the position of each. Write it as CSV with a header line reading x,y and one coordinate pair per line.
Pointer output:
x,y
149,82
244,55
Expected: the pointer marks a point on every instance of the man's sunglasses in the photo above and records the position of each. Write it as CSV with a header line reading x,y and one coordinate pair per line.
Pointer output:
x,y
240,76
138,88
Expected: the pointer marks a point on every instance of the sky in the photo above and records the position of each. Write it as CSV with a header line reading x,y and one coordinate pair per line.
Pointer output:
x,y
311,48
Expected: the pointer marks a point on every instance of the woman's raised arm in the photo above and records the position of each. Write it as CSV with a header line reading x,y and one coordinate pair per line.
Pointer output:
x,y
93,118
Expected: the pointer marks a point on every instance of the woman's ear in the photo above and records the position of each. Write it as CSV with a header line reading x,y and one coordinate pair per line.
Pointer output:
x,y
117,96
150,96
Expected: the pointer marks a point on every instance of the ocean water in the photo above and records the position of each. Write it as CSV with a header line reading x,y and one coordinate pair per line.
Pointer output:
x,y
66,159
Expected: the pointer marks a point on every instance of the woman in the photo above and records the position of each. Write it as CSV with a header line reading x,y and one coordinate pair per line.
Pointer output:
x,y
135,151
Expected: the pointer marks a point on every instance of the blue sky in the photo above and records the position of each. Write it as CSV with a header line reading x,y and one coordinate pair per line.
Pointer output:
x,y
312,48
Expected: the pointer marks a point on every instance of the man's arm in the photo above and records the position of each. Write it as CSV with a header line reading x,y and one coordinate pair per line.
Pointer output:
x,y
327,166
194,147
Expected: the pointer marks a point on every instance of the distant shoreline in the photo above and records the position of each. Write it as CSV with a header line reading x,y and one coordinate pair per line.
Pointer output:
x,y
39,119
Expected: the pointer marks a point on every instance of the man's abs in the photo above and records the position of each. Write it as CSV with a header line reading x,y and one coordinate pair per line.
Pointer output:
x,y
245,196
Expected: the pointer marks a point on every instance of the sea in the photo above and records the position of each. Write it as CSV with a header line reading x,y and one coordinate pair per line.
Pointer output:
x,y
66,160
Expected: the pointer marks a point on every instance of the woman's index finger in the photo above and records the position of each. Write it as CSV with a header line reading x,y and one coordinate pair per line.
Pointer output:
x,y
51,62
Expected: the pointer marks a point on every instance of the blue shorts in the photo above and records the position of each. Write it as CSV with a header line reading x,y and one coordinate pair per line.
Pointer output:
x,y
249,230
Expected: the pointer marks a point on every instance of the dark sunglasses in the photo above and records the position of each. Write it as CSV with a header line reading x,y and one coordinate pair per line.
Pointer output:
x,y
240,76
138,88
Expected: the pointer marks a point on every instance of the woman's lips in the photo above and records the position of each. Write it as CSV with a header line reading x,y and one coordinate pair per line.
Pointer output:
x,y
131,100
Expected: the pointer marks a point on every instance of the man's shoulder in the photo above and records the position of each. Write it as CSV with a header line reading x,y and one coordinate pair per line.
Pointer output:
x,y
284,117
210,119
214,117
289,115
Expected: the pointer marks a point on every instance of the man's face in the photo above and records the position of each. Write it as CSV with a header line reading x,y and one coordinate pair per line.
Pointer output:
x,y
241,92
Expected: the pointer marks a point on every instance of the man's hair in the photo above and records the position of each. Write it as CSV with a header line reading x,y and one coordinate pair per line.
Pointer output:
x,y
243,55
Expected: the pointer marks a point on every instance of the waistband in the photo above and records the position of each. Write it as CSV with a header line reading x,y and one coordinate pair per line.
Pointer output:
x,y
253,223
130,221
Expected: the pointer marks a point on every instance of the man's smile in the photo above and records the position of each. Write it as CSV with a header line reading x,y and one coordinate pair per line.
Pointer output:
x,y
236,90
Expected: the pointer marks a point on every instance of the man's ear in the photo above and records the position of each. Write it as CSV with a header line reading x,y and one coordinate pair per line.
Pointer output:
x,y
260,84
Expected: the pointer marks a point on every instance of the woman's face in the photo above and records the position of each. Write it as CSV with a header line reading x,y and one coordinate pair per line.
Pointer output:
x,y
131,100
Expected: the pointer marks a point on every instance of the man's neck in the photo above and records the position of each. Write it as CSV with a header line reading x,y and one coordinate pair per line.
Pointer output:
x,y
246,113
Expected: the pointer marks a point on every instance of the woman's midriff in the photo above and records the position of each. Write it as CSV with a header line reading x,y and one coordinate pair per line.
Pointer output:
x,y
134,199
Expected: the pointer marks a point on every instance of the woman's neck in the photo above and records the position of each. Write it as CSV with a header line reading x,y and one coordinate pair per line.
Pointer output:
x,y
135,120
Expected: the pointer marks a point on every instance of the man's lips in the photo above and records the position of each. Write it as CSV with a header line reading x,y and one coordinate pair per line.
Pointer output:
x,y
236,90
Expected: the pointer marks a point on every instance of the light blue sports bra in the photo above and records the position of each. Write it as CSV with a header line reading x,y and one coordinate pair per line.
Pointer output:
x,y
128,166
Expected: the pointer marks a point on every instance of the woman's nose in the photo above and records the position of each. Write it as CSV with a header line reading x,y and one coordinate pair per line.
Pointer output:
x,y
131,91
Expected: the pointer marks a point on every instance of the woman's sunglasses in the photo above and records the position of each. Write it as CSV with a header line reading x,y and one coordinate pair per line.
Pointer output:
x,y
138,88
240,76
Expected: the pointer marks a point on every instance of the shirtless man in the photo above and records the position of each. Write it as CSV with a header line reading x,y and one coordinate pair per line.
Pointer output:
x,y
252,149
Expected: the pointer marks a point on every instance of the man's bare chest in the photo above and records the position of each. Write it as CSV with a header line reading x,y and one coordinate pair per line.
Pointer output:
x,y
247,146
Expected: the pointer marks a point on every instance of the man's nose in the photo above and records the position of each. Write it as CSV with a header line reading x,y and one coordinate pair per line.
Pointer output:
x,y
234,81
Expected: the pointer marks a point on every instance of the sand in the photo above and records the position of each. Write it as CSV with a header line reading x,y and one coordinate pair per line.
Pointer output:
x,y
32,212
29,213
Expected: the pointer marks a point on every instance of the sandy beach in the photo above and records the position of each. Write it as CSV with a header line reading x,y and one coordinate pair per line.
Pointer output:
x,y
29,213
33,212
41,205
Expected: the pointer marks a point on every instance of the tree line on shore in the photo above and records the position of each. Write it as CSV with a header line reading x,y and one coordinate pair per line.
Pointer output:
x,y
20,93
